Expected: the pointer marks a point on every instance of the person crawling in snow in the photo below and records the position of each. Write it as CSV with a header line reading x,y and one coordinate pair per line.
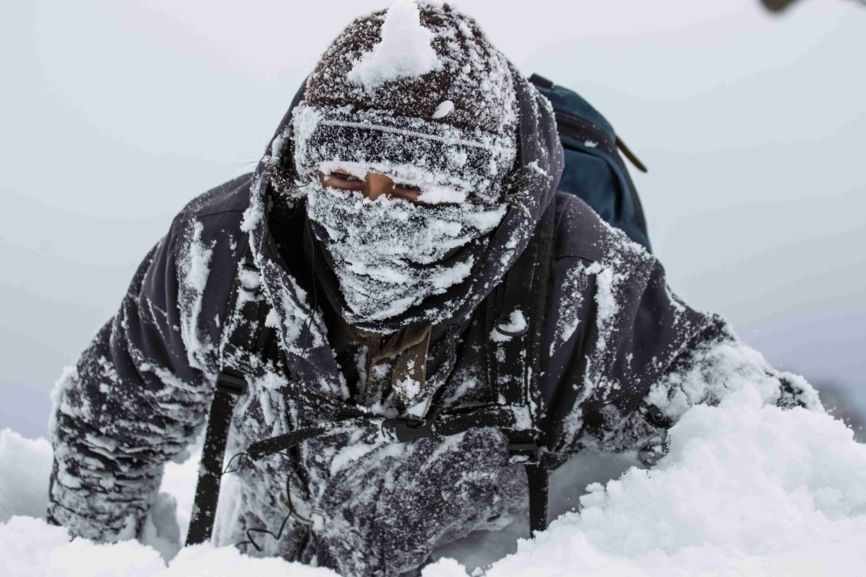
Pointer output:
x,y
415,322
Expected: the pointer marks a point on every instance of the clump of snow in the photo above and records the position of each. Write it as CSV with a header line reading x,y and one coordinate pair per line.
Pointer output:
x,y
569,308
605,299
439,195
447,277
194,270
404,51
276,148
255,211
515,324
407,389
197,266
445,108
604,296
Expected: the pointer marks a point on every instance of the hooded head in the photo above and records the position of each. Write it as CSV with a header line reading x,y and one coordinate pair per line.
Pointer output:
x,y
416,92
419,94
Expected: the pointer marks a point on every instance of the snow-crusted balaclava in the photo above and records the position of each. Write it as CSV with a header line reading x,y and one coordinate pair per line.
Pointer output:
x,y
419,94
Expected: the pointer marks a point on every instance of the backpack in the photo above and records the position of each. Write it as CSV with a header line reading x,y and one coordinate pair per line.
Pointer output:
x,y
595,173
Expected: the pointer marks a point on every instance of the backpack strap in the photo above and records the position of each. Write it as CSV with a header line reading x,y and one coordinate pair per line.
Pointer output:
x,y
594,168
245,332
513,357
512,367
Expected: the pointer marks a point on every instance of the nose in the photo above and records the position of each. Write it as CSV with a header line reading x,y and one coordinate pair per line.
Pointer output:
x,y
375,185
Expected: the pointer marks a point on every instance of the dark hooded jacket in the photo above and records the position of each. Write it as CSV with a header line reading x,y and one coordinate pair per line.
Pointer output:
x,y
621,358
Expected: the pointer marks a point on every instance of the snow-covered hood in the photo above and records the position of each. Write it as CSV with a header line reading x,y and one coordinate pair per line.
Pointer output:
x,y
529,188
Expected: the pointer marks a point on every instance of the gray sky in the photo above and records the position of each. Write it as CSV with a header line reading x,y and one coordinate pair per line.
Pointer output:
x,y
115,114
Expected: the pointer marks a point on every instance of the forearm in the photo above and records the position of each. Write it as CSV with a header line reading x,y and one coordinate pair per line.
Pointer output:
x,y
722,368
131,404
98,488
715,372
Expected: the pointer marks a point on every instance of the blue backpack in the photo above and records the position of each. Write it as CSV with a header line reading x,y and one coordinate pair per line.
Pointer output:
x,y
594,170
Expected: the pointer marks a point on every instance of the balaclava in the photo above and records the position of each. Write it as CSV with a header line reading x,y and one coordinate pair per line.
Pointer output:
x,y
418,93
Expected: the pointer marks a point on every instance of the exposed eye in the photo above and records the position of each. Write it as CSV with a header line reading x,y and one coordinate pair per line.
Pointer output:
x,y
344,176
341,179
434,196
407,192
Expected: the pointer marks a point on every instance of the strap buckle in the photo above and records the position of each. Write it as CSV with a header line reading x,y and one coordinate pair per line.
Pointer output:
x,y
524,447
525,453
231,382
407,429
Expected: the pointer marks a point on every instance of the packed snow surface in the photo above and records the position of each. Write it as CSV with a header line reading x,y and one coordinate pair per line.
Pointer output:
x,y
745,490
404,51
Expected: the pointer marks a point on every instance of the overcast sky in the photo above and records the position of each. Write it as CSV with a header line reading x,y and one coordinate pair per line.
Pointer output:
x,y
115,114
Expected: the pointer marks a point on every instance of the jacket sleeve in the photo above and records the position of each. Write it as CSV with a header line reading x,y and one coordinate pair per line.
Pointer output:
x,y
132,402
649,357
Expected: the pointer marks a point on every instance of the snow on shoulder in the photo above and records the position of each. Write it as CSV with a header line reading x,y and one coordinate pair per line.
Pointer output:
x,y
404,51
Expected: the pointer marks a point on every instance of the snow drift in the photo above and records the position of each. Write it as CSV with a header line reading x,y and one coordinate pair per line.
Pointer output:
x,y
744,490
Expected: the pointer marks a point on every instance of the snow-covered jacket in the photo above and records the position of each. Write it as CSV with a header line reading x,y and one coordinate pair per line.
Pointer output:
x,y
623,358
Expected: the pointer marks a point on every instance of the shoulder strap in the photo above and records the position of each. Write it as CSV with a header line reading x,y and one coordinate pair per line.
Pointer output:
x,y
513,363
245,325
515,373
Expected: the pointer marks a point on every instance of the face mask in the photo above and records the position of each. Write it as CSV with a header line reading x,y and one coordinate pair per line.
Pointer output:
x,y
389,255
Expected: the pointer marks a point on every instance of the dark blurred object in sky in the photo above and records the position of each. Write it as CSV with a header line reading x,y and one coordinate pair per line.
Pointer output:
x,y
779,6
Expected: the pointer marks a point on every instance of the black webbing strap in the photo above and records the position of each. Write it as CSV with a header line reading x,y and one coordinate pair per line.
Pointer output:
x,y
537,471
397,429
229,387
245,326
513,369
537,479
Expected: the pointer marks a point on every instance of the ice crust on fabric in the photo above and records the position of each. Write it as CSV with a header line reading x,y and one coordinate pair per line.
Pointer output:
x,y
390,254
444,109
472,73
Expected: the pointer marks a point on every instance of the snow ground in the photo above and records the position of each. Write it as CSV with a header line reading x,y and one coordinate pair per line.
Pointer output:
x,y
745,490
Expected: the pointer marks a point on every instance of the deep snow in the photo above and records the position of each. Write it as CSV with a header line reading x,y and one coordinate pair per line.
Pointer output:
x,y
744,490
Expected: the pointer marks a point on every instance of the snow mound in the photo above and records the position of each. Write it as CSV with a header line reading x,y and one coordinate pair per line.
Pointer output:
x,y
743,491
25,466
30,547
404,51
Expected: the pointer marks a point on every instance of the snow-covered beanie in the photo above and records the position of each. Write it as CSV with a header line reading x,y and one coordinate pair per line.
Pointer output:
x,y
417,92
